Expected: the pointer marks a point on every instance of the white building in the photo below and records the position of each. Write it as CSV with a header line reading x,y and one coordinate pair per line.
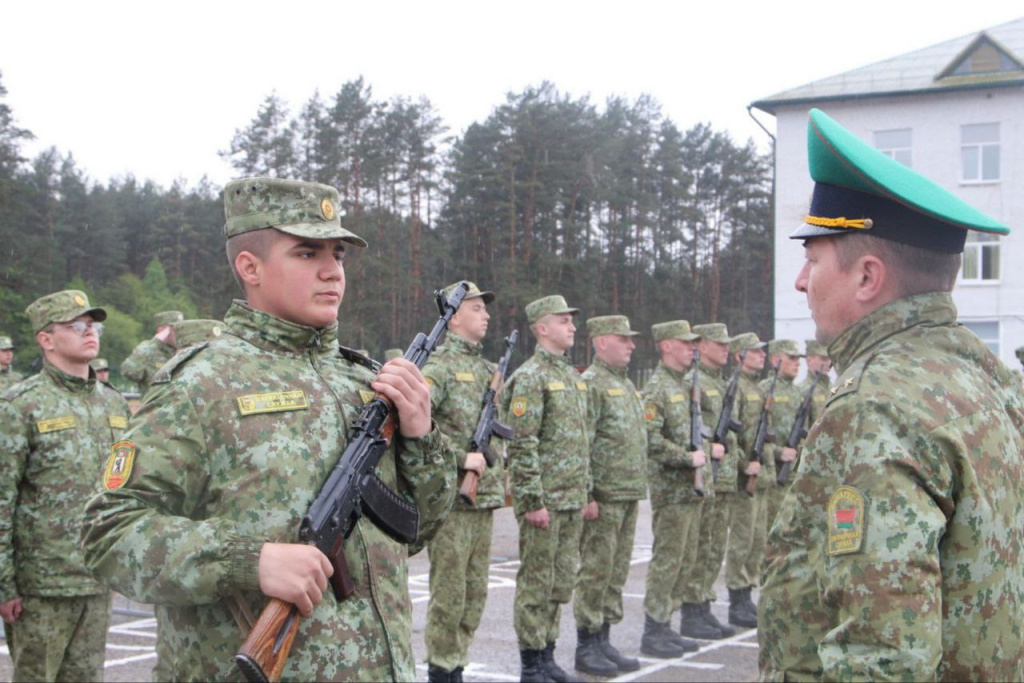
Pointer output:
x,y
954,112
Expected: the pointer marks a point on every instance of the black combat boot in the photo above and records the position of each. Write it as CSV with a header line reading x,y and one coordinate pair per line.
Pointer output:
x,y
533,669
457,675
590,658
436,674
738,614
623,662
657,640
693,625
711,620
748,603
555,672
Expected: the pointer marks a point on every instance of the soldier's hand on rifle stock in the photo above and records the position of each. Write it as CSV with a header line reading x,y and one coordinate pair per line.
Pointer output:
x,y
788,454
698,458
538,518
402,382
717,451
476,463
294,572
753,469
591,511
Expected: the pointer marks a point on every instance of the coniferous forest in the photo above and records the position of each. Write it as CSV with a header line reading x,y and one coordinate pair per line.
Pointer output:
x,y
611,205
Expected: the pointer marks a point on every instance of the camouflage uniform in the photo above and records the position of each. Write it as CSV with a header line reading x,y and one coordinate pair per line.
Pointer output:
x,y
231,445
545,403
821,394
8,377
460,553
618,456
55,430
788,397
145,361
896,552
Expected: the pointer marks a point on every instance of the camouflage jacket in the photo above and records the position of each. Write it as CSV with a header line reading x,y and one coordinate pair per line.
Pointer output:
x,y
896,553
712,398
458,376
821,395
55,432
8,377
618,441
667,414
231,446
545,403
145,361
749,405
788,398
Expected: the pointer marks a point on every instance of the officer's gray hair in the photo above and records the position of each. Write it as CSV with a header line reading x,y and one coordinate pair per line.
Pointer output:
x,y
256,242
913,270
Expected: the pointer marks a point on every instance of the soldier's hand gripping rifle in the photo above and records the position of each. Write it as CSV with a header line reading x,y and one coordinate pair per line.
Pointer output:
x,y
488,424
697,431
799,430
725,421
764,432
351,490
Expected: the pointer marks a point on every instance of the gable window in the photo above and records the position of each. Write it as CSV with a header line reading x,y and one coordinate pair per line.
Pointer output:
x,y
895,144
979,152
981,257
987,331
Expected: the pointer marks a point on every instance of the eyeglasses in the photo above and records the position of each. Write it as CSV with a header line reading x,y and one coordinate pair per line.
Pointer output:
x,y
83,326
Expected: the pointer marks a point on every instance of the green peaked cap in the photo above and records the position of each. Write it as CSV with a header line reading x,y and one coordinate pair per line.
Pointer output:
x,y
860,190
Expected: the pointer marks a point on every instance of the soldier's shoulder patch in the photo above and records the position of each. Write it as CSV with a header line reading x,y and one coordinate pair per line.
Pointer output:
x,y
518,406
650,411
166,372
845,521
119,465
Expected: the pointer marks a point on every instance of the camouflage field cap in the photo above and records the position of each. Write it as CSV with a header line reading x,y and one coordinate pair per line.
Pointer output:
x,y
192,332
473,293
716,332
554,304
674,329
786,346
858,189
293,206
609,324
815,348
61,307
99,364
167,318
745,342
5,343
395,353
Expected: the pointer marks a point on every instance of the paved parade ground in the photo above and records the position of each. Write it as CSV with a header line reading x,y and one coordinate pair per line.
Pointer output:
x,y
495,657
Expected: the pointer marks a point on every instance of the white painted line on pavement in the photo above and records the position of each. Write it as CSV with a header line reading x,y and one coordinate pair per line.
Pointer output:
x,y
129,660
662,664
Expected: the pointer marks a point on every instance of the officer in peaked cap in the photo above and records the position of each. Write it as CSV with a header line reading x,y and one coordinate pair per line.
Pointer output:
x,y
882,561
7,374
150,355
253,422
54,428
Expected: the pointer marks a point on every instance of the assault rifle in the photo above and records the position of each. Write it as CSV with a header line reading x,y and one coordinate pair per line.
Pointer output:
x,y
351,490
696,424
799,430
764,432
725,421
488,424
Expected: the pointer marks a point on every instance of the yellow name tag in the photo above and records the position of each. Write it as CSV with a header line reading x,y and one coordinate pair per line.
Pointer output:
x,y
556,386
56,424
711,392
582,386
618,391
118,421
754,397
159,364
465,377
677,398
275,402
782,399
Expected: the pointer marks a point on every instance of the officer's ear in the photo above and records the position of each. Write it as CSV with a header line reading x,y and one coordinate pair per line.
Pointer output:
x,y
873,279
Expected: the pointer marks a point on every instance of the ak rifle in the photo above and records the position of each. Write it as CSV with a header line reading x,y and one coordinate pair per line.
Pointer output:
x,y
764,432
352,489
725,421
697,431
799,430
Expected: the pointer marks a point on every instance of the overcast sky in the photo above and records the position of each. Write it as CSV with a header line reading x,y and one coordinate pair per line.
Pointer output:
x,y
155,89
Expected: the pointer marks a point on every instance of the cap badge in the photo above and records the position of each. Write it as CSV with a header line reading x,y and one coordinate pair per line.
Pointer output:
x,y
79,301
327,209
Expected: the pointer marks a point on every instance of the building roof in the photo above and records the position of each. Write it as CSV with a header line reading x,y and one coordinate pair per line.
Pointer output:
x,y
992,58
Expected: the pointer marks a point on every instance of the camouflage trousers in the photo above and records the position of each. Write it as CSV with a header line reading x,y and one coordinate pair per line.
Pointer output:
x,y
547,571
606,548
714,530
748,536
460,556
775,496
59,639
162,670
676,529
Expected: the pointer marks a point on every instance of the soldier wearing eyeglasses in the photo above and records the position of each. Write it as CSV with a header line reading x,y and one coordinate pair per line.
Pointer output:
x,y
55,429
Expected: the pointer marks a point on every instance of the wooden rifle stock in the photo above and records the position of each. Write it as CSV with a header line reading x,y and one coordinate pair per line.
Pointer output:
x,y
469,484
265,651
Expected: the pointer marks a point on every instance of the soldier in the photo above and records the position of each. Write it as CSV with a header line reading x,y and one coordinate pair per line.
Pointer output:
x,y
747,513
675,506
618,460
234,441
460,554
150,355
896,553
545,402
7,374
191,332
55,429
818,366
702,567
1020,357
102,369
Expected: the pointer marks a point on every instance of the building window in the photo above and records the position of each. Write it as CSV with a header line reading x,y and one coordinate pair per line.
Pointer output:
x,y
981,257
987,331
979,152
895,144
